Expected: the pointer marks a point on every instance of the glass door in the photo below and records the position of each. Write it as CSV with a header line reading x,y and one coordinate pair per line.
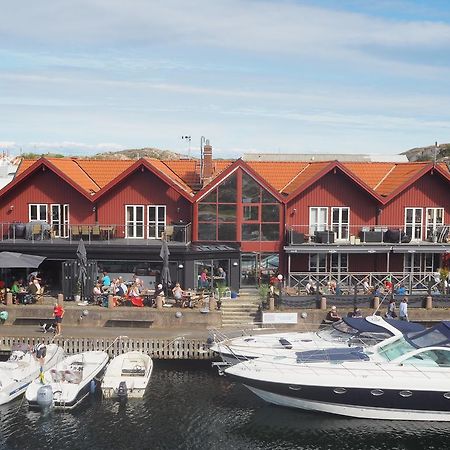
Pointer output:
x,y
249,269
413,223
341,223
156,221
134,221
60,220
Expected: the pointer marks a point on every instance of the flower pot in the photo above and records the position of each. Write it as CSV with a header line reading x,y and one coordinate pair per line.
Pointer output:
x,y
77,297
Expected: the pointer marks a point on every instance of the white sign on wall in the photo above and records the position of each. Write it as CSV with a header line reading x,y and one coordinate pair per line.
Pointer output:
x,y
279,317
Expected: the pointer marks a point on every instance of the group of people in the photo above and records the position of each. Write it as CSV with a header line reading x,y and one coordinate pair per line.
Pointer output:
x,y
23,292
391,312
205,281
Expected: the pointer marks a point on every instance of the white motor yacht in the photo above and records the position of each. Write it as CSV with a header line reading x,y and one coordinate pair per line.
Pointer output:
x,y
22,368
127,376
405,378
346,332
69,382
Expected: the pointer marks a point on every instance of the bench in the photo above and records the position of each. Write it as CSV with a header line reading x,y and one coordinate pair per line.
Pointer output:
x,y
129,323
32,320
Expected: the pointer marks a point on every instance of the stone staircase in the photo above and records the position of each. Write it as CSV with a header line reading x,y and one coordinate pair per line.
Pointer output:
x,y
243,310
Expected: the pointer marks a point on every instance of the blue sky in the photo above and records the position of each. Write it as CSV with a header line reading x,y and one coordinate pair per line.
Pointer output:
x,y
272,76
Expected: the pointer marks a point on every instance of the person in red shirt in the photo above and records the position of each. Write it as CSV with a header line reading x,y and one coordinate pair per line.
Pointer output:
x,y
58,313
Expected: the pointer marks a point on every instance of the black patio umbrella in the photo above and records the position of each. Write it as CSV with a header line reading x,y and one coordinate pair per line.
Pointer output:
x,y
82,266
165,272
12,260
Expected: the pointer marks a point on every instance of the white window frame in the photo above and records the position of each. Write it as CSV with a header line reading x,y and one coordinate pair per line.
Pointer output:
x,y
159,225
314,223
316,267
432,224
39,217
134,223
415,227
60,227
338,266
340,228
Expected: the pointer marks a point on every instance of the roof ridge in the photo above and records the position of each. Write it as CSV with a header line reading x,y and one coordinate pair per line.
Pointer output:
x,y
76,162
296,176
384,178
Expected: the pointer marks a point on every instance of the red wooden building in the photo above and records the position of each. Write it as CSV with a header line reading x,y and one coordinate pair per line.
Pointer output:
x,y
321,220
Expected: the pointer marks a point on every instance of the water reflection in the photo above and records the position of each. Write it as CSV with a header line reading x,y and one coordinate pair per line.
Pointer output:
x,y
191,407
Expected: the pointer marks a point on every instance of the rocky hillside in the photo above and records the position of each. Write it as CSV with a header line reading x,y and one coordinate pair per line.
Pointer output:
x,y
154,153
427,153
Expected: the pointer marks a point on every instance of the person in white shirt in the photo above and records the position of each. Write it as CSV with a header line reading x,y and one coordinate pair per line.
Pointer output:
x,y
403,309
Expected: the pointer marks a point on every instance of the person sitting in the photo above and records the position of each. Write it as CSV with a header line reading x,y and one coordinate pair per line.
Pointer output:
x,y
178,294
332,315
310,288
332,287
134,290
15,291
106,282
356,313
368,289
98,294
401,289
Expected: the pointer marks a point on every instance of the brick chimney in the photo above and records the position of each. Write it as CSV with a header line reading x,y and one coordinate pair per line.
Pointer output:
x,y
208,169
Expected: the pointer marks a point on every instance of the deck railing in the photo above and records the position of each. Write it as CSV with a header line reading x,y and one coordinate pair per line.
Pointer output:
x,y
367,234
40,231
347,282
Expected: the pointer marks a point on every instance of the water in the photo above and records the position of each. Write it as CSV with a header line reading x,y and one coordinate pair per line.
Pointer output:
x,y
189,406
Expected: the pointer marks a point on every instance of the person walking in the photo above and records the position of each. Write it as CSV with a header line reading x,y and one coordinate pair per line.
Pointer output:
x,y
58,313
391,314
403,309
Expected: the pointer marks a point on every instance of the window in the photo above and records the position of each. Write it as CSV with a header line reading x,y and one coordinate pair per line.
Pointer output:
x,y
318,219
421,262
413,223
317,262
340,218
37,211
435,219
339,262
134,221
156,221
251,213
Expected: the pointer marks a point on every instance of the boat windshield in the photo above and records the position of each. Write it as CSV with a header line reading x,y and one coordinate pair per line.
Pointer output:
x,y
395,349
430,358
340,331
433,337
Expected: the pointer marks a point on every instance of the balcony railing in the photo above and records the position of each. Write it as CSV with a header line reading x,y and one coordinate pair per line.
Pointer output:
x,y
369,234
348,282
40,231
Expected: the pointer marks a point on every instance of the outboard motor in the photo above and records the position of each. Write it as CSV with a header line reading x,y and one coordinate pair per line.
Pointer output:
x,y
44,397
122,391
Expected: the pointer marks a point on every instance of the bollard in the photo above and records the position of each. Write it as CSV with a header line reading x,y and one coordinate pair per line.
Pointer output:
x,y
323,303
9,298
212,303
159,302
271,304
60,299
110,301
376,303
429,302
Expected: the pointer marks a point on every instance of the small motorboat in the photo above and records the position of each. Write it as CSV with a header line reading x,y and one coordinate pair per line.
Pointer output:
x,y
406,378
344,333
23,367
127,376
69,382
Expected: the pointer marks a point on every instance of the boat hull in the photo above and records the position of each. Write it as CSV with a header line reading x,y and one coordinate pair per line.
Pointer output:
x,y
366,403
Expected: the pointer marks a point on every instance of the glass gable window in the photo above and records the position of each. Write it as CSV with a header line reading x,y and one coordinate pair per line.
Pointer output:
x,y
239,199
217,212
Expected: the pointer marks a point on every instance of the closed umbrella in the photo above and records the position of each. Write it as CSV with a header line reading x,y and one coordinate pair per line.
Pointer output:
x,y
165,272
12,260
82,266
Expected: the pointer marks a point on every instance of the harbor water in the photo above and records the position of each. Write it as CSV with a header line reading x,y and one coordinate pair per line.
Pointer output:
x,y
189,406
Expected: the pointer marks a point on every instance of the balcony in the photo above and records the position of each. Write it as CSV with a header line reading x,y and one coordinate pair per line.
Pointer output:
x,y
369,235
95,234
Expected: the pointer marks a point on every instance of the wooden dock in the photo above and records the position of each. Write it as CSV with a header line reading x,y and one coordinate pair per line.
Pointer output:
x,y
178,348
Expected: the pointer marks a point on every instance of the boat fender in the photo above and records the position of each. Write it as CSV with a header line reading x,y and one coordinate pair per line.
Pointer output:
x,y
92,387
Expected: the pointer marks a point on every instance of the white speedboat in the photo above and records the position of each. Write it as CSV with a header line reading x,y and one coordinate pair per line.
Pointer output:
x,y
22,368
69,382
405,378
127,376
346,332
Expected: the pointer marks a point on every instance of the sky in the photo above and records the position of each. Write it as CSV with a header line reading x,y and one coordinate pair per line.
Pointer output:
x,y
279,76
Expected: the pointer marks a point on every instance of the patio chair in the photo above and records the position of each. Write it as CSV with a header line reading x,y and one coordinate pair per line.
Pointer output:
x,y
85,230
168,233
36,231
96,232
75,230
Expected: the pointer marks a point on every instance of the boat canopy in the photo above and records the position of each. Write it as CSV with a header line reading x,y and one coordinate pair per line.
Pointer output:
x,y
437,336
332,354
364,326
